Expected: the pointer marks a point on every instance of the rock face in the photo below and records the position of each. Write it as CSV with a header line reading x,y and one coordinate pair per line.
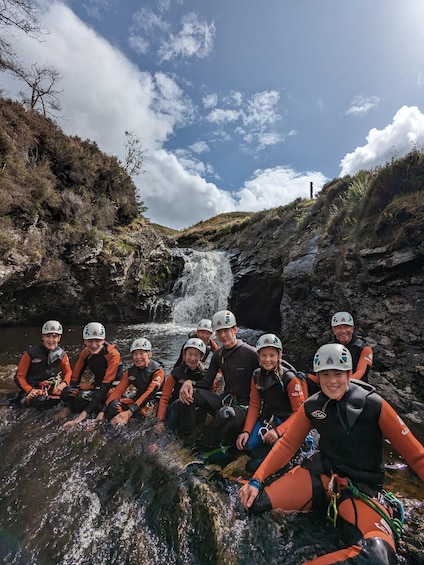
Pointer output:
x,y
120,279
296,265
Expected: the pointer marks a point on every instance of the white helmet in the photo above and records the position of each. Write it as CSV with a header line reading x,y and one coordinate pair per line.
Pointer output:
x,y
223,319
269,340
332,356
342,318
52,327
196,343
205,325
141,343
94,330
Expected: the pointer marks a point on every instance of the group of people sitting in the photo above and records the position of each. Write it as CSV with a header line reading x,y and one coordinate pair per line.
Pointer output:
x,y
251,398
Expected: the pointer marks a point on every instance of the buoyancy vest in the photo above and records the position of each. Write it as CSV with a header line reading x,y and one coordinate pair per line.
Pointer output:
x,y
45,363
181,373
351,442
141,378
355,346
98,365
272,388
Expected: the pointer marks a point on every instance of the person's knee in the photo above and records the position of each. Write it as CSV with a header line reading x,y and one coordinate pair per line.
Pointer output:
x,y
112,409
262,503
226,413
377,552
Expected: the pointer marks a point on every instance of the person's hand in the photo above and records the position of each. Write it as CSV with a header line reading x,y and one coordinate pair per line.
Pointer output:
x,y
186,393
77,420
242,439
271,437
122,418
247,495
100,416
58,389
34,392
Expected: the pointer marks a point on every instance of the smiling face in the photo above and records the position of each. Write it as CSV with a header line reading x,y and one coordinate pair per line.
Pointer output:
x,y
141,358
204,335
50,341
343,333
269,358
227,336
334,382
192,357
94,346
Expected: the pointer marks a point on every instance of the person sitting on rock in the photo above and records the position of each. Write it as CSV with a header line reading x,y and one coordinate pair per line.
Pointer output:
x,y
362,356
344,478
204,332
44,370
275,396
343,328
136,392
171,411
236,360
103,360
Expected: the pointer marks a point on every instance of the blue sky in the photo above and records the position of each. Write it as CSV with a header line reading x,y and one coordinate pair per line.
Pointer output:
x,y
239,103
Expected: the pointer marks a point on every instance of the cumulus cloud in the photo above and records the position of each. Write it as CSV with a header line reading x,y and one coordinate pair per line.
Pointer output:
x,y
195,39
397,139
269,188
361,105
104,95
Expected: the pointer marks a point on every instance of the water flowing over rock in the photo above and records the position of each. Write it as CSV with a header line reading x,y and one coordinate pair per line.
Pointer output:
x,y
106,496
203,287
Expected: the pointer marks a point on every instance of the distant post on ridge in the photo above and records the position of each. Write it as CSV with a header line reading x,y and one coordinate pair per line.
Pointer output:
x,y
311,189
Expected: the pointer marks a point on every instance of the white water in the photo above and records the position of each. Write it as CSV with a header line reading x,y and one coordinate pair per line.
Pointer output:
x,y
204,286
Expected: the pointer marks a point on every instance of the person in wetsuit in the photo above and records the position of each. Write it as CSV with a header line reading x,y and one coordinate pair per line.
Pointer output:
x,y
44,370
103,360
138,386
171,411
344,478
275,396
236,360
343,328
204,332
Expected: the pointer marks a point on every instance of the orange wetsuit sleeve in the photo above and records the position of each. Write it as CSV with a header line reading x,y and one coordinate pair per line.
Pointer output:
x,y
402,439
120,388
168,387
364,361
255,403
157,381
113,358
296,397
213,345
66,369
285,448
79,366
22,372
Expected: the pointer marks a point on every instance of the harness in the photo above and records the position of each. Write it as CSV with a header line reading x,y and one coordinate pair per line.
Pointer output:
x,y
394,507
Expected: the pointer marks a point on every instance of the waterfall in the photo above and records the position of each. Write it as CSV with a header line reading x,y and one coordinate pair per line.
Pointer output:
x,y
204,286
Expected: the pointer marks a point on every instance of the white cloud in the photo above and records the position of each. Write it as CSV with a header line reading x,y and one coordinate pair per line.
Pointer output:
x,y
395,140
361,105
196,39
210,100
199,147
105,95
270,188
221,116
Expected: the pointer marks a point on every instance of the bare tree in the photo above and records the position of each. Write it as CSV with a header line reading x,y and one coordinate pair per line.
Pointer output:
x,y
42,83
15,15
135,155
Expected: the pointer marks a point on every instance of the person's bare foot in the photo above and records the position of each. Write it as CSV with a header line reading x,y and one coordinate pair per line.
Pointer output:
x,y
64,413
